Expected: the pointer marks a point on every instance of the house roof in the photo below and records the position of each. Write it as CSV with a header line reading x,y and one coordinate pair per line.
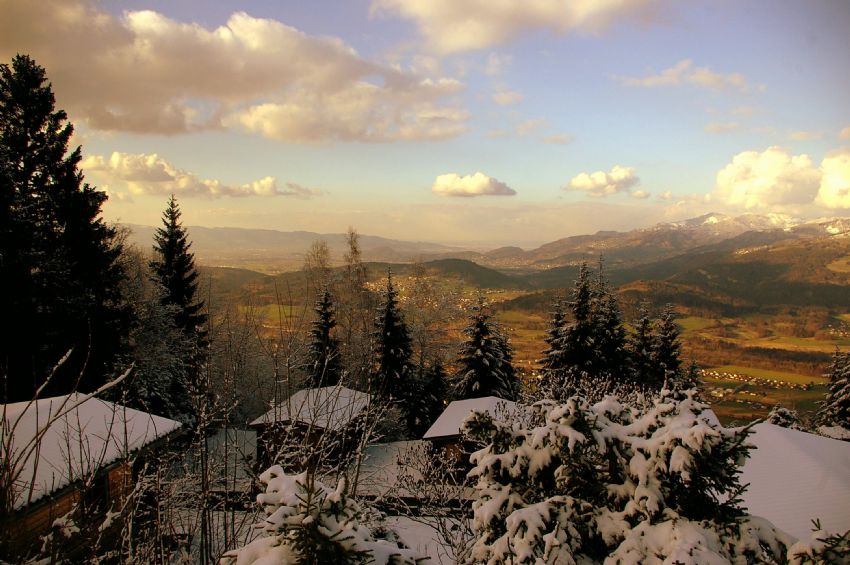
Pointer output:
x,y
796,476
56,441
450,421
329,408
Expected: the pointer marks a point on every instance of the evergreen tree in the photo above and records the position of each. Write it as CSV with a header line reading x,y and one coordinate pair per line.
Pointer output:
x,y
58,260
484,363
393,351
174,270
430,399
324,367
641,347
552,364
578,337
835,410
667,350
609,336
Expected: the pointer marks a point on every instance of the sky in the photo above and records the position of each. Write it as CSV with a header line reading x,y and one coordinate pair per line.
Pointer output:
x,y
463,121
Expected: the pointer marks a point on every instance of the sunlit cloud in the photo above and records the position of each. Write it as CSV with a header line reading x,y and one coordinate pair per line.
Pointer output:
x,y
844,133
721,127
834,191
601,184
684,72
461,25
762,180
559,139
506,97
804,135
154,74
478,184
150,174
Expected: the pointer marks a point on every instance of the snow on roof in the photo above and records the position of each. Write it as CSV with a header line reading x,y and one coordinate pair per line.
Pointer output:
x,y
796,476
329,408
449,422
73,437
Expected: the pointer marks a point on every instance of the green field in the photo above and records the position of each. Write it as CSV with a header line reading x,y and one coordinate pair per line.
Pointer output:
x,y
769,375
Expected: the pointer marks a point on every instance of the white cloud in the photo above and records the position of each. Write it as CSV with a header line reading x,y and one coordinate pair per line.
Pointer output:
x,y
759,180
150,174
506,97
834,191
146,73
461,25
640,194
845,133
721,127
684,72
478,184
601,184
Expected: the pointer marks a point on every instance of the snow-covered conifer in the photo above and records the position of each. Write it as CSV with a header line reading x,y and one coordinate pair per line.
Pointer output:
x,y
785,417
308,523
324,365
485,361
835,410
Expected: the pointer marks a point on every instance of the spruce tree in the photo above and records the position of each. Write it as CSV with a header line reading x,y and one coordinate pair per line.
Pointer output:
x,y
667,351
324,366
609,336
578,337
393,350
552,365
641,346
174,270
58,260
835,409
484,363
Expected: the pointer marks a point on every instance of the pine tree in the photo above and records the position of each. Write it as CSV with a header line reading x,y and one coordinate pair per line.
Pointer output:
x,y
484,363
431,393
609,336
667,351
835,410
552,363
174,270
641,346
578,337
324,366
393,350
58,260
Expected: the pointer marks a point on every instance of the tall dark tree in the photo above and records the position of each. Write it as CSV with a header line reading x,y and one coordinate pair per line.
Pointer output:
x,y
609,339
485,362
435,392
58,260
393,350
641,347
324,366
577,349
835,410
174,269
667,351
552,363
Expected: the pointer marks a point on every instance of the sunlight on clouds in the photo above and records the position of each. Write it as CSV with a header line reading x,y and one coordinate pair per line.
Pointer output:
x,y
756,180
157,75
506,97
559,139
834,189
721,127
845,133
684,72
461,25
601,184
478,184
149,174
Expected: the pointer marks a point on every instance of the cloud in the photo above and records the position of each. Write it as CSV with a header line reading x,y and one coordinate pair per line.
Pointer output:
x,y
640,194
531,125
845,133
601,184
834,190
758,180
478,184
559,139
143,72
150,174
462,25
721,127
684,72
804,135
506,97
496,63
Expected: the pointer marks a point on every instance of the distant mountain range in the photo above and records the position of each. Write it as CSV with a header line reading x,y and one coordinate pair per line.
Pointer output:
x,y
275,251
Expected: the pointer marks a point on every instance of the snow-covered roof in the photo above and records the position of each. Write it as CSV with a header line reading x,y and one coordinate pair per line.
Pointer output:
x,y
56,441
795,477
329,408
450,421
